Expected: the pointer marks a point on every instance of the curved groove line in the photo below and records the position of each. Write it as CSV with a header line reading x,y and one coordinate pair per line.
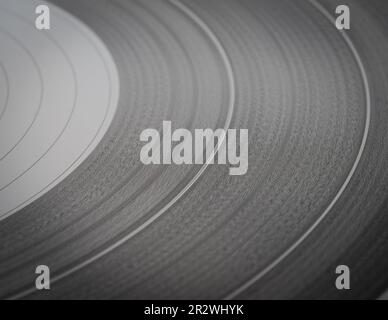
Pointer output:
x,y
35,63
187,11
126,203
291,249
7,94
68,120
98,131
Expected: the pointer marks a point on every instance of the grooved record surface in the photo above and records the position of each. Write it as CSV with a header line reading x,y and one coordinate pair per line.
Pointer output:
x,y
314,100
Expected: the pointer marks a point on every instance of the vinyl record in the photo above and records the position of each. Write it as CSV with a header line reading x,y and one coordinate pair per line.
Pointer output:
x,y
76,197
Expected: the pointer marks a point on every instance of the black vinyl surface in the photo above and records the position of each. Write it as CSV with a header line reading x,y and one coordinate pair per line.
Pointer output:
x,y
315,101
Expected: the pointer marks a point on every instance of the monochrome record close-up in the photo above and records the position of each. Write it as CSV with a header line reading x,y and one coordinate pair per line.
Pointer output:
x,y
75,197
